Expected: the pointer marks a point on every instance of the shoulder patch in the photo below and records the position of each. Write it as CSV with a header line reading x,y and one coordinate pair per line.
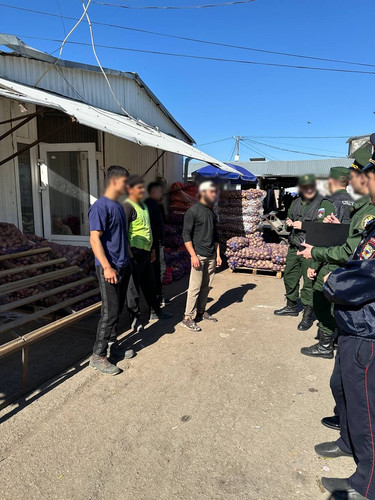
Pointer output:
x,y
321,213
368,250
366,219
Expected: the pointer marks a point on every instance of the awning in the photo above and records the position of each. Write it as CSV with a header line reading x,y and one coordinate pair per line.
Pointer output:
x,y
121,126
239,173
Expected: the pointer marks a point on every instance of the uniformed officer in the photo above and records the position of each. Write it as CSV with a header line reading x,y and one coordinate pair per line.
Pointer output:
x,y
362,212
310,206
342,202
351,289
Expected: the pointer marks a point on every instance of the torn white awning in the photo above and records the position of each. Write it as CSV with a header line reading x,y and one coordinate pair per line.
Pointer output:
x,y
106,121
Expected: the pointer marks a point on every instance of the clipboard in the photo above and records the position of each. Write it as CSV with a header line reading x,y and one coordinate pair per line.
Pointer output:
x,y
319,234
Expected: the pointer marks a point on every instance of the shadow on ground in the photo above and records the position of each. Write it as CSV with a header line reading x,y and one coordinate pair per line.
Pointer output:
x,y
50,358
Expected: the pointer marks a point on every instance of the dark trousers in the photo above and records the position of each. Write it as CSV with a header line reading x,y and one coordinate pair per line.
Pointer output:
x,y
156,267
142,278
355,367
113,299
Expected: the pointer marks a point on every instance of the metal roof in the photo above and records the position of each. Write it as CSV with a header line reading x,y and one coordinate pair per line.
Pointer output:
x,y
292,168
47,62
106,121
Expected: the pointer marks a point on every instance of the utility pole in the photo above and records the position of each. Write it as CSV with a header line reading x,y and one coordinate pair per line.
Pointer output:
x,y
238,139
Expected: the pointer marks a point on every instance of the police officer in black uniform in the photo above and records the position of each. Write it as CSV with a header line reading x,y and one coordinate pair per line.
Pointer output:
x,y
352,291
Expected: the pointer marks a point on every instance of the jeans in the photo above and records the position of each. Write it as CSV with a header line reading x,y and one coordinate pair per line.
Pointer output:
x,y
142,278
113,299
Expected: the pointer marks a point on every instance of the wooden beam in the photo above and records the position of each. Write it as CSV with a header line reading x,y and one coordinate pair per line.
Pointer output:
x,y
43,295
47,310
16,127
37,265
25,253
46,330
27,282
35,143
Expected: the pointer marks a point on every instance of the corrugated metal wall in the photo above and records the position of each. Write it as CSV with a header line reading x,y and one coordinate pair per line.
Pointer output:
x,y
89,86
138,159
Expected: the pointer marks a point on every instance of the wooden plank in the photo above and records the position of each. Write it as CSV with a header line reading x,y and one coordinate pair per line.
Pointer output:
x,y
43,295
27,282
46,330
48,310
267,273
26,253
37,265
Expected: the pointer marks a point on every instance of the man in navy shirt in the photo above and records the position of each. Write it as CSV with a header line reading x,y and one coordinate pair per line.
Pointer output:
x,y
109,242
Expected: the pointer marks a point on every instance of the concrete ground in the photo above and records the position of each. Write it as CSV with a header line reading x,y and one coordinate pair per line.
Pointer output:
x,y
230,413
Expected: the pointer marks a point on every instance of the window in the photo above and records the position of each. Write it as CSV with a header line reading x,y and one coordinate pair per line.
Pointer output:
x,y
26,192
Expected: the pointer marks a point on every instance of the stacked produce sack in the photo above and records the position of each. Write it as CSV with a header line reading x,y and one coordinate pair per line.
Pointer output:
x,y
12,240
253,252
240,224
240,213
182,197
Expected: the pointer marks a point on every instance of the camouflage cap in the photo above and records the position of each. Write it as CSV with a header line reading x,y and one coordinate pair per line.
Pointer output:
x,y
361,159
306,180
339,173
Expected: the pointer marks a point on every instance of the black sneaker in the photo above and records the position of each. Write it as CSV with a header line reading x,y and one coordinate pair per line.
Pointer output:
x,y
164,301
191,325
115,351
102,364
136,325
160,315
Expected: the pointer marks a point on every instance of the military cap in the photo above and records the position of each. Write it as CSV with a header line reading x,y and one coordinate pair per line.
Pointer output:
x,y
371,165
339,173
361,157
306,180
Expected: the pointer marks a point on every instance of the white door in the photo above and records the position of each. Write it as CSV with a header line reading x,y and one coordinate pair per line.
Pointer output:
x,y
69,186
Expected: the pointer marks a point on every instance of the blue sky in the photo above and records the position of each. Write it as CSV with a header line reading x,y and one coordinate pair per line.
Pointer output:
x,y
216,100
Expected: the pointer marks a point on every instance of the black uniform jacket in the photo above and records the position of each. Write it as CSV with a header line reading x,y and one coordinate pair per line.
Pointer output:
x,y
352,290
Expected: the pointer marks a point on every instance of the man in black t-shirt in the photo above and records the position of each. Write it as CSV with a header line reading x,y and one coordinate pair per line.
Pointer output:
x,y
202,243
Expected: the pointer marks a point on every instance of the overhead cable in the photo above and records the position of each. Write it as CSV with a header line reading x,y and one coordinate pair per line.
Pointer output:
x,y
213,59
196,40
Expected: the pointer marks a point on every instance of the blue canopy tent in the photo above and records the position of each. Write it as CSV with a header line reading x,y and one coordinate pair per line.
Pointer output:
x,y
242,175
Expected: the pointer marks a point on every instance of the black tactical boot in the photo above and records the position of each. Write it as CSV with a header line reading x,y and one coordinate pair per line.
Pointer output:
x,y
323,349
289,310
307,319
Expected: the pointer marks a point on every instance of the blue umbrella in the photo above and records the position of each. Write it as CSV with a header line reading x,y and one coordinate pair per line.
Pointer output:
x,y
210,171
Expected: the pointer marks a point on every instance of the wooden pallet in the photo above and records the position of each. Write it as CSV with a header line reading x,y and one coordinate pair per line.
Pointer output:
x,y
267,273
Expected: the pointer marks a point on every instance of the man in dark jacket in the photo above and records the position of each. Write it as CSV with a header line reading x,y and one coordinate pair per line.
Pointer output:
x,y
156,211
310,206
351,289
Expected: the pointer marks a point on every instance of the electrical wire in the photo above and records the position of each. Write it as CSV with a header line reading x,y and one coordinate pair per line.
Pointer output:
x,y
296,137
259,152
99,63
308,147
174,7
213,59
196,40
290,150
61,16
215,142
64,42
